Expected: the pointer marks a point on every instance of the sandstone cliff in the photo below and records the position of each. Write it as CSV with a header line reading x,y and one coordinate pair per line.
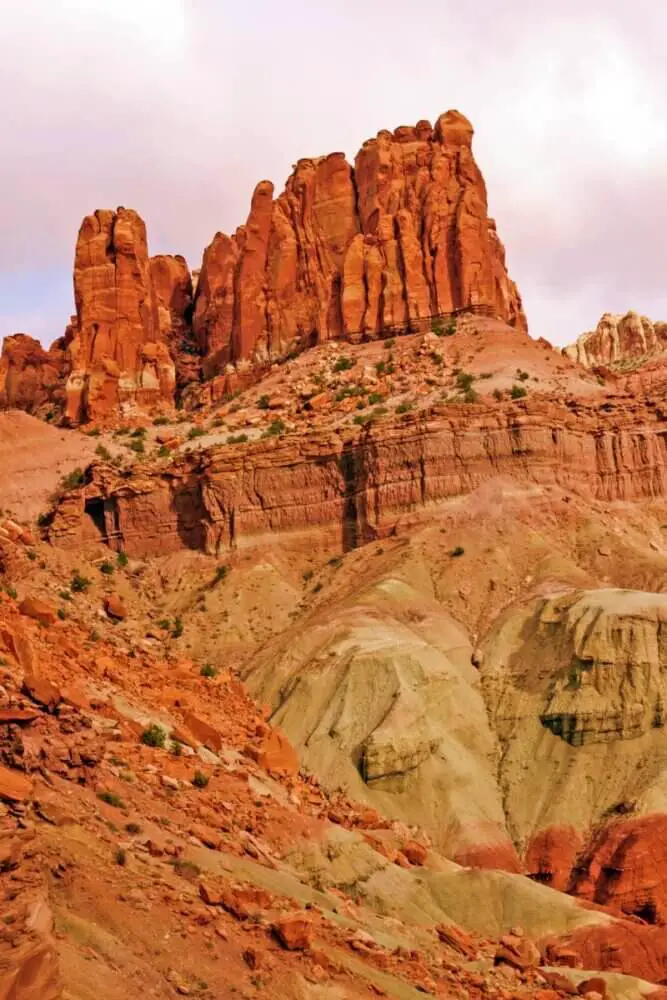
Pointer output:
x,y
619,342
119,363
360,484
31,378
396,243
342,252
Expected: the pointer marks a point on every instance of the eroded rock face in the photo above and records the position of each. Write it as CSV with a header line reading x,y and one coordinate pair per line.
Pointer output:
x,y
380,695
619,340
119,363
172,285
403,237
30,377
364,484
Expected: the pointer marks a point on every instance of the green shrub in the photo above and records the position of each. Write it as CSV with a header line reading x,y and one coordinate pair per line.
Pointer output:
x,y
405,407
163,451
138,432
132,828
65,595
111,799
389,343
200,780
237,439
457,551
95,433
470,396
160,421
208,670
164,623
263,402
522,376
103,453
220,573
343,364
196,432
79,584
121,856
73,479
137,446
381,367
107,568
122,559
62,614
176,748
464,381
177,630
437,327
275,429
374,398
497,394
153,736
518,392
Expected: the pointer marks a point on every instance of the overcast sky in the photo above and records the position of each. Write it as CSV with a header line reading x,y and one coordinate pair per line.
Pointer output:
x,y
178,107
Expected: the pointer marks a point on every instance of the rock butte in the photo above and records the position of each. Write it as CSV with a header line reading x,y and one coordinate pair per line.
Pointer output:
x,y
342,253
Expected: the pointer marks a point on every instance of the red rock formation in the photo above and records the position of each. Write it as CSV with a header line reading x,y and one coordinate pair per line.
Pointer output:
x,y
342,253
30,377
172,284
551,855
120,365
625,868
362,483
618,341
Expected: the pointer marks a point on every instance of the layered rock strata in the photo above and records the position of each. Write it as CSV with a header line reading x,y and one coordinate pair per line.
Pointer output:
x,y
359,484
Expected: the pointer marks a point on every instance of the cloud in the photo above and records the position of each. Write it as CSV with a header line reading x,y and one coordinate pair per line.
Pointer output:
x,y
178,107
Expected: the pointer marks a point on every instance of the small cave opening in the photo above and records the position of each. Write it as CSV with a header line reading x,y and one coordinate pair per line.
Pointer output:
x,y
647,913
95,511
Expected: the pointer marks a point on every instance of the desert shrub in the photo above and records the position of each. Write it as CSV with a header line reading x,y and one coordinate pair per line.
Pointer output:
x,y
200,780
208,670
464,381
263,402
79,584
163,451
405,407
276,428
111,799
122,559
107,568
73,479
374,398
343,364
220,573
497,394
237,439
518,392
177,630
103,453
196,432
121,856
457,551
153,736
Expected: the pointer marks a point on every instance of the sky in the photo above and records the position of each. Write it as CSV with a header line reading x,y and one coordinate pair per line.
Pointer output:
x,y
178,107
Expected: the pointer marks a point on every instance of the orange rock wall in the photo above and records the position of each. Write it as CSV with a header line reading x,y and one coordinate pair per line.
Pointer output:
x,y
403,237
361,486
